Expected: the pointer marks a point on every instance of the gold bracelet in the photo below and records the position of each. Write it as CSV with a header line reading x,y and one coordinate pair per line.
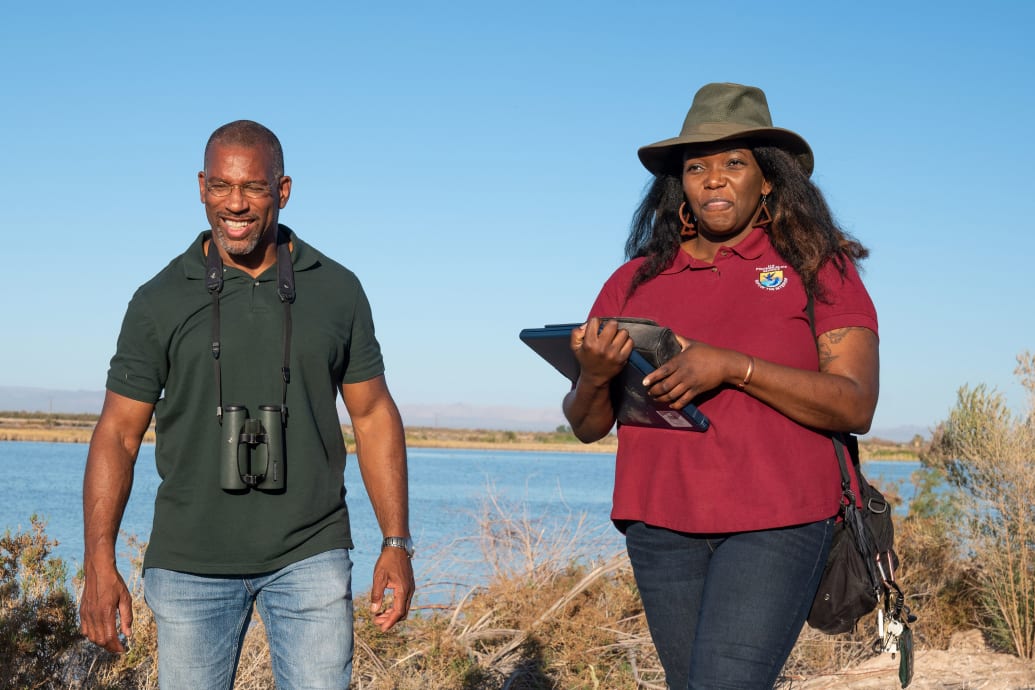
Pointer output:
x,y
750,371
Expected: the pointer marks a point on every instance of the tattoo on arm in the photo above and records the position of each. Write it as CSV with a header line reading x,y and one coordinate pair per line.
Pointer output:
x,y
827,341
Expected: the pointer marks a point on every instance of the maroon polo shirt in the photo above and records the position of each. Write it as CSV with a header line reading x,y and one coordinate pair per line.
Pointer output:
x,y
754,468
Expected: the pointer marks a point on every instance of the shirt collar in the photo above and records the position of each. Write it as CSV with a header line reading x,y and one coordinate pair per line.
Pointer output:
x,y
751,247
302,255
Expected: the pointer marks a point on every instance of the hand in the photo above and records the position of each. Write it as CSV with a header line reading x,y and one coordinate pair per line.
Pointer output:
x,y
601,352
105,595
394,572
697,369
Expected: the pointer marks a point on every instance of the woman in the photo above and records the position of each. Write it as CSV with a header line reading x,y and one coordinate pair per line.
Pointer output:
x,y
728,530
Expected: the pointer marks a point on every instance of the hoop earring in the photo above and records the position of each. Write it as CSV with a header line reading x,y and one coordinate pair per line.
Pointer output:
x,y
762,215
689,225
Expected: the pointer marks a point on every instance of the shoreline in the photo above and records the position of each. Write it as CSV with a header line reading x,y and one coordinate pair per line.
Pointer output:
x,y
69,428
416,437
436,437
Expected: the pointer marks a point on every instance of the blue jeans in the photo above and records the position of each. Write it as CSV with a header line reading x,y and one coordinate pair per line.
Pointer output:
x,y
306,608
724,611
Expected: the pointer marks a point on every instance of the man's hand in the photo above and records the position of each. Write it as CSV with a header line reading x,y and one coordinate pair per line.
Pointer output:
x,y
394,572
106,609
104,596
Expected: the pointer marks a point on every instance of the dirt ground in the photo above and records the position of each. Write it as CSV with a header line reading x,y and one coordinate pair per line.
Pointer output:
x,y
966,665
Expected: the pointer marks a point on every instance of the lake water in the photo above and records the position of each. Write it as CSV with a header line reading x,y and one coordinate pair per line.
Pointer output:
x,y
553,496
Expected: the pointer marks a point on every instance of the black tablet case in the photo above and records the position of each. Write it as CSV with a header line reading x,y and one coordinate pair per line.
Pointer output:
x,y
633,405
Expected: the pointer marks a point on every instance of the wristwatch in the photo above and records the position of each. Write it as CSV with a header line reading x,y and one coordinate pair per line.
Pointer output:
x,y
404,543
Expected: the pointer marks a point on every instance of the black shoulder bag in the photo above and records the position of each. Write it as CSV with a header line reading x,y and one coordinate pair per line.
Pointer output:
x,y
860,570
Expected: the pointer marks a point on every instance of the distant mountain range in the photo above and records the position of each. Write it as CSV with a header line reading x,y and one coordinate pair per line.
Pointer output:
x,y
14,399
454,415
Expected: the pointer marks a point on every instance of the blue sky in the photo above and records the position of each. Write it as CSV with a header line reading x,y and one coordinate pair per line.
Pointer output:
x,y
475,164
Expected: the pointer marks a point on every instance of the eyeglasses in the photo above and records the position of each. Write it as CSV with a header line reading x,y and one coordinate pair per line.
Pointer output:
x,y
252,190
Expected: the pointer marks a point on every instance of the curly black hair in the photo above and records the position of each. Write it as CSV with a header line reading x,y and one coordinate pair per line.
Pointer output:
x,y
803,230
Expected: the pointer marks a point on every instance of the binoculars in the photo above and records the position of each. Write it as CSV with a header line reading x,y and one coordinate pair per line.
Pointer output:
x,y
251,453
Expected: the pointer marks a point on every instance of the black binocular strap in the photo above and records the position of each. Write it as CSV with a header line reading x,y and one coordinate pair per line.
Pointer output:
x,y
286,292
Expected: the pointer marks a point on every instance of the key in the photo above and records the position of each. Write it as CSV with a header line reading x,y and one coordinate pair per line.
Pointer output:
x,y
892,631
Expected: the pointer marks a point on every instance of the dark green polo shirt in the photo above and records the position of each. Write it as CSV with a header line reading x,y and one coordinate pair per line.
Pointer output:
x,y
164,357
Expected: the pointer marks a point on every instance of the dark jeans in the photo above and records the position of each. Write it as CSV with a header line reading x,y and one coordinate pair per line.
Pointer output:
x,y
724,611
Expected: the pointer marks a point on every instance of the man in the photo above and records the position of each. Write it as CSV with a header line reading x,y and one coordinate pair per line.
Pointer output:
x,y
239,347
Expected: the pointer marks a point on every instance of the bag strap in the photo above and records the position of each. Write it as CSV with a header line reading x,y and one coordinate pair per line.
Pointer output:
x,y
839,444
880,569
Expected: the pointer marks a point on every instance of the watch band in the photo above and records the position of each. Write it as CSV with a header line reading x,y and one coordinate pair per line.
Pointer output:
x,y
404,543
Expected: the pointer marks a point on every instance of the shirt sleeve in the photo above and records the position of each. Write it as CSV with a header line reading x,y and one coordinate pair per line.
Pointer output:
x,y
139,368
845,302
364,356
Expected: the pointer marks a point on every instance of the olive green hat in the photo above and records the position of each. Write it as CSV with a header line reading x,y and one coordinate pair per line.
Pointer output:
x,y
722,112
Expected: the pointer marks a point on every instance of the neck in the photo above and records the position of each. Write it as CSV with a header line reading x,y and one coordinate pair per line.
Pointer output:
x,y
705,245
256,262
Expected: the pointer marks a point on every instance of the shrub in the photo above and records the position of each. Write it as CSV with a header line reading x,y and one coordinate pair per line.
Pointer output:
x,y
987,452
37,613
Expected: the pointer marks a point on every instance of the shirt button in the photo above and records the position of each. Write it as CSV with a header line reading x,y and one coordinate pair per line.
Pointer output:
x,y
256,283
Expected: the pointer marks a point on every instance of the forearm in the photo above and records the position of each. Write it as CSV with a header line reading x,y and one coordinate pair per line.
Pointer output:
x,y
109,474
381,448
827,401
107,483
841,396
589,411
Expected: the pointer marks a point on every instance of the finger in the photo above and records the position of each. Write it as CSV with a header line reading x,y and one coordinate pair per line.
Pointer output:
x,y
591,331
578,335
683,400
392,615
107,637
126,615
602,332
376,600
651,380
668,391
626,349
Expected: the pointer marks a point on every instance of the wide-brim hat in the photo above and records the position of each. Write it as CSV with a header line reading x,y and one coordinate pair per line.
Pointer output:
x,y
722,112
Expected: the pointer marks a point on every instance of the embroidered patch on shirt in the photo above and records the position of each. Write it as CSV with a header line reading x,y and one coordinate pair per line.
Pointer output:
x,y
771,277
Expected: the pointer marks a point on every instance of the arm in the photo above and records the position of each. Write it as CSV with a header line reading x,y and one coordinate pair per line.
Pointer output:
x,y
381,448
106,485
601,354
841,396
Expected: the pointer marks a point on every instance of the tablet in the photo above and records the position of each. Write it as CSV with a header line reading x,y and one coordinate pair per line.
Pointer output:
x,y
632,404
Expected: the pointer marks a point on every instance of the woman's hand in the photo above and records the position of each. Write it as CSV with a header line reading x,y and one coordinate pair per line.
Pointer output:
x,y
841,396
601,354
601,351
697,369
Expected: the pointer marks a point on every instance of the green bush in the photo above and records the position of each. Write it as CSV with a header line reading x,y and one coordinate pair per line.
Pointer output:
x,y
987,453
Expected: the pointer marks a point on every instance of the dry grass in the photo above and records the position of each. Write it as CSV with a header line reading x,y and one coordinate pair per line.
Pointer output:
x,y
549,617
45,428
546,617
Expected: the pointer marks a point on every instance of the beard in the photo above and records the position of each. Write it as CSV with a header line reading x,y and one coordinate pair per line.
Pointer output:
x,y
241,247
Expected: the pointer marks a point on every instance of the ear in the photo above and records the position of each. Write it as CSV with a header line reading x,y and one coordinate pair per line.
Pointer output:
x,y
284,190
767,187
201,185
